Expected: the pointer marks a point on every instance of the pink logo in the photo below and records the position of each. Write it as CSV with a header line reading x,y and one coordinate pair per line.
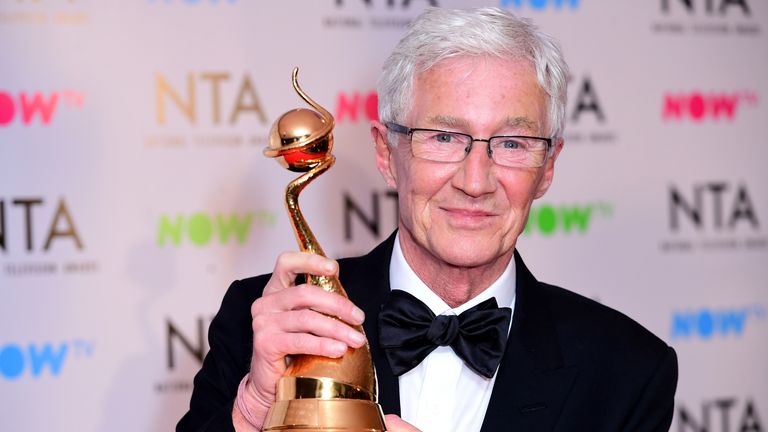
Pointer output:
x,y
40,107
349,107
699,106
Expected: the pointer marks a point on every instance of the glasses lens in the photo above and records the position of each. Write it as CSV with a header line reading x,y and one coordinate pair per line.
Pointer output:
x,y
519,151
439,146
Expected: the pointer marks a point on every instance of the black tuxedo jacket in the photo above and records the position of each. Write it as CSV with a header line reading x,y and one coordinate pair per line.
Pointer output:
x,y
571,364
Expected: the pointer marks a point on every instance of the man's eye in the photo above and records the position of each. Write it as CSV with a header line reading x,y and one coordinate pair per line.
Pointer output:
x,y
511,144
443,138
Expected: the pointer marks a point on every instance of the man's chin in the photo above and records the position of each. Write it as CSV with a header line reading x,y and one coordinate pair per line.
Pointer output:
x,y
469,254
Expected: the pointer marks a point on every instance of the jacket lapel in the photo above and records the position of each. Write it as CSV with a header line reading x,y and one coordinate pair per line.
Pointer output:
x,y
532,382
366,280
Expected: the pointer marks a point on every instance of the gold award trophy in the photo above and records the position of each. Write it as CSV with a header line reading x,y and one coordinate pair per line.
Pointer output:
x,y
318,393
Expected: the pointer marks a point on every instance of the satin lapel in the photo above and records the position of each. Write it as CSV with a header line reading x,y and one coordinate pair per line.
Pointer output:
x,y
532,382
366,280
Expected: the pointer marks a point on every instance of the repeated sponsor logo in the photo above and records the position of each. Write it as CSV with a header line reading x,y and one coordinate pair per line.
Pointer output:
x,y
372,218
202,229
207,109
566,219
586,119
35,360
698,106
357,106
713,215
722,414
44,12
717,323
25,241
36,108
706,17
186,345
541,5
374,14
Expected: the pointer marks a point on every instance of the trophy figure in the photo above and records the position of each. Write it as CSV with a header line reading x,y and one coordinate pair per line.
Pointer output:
x,y
318,393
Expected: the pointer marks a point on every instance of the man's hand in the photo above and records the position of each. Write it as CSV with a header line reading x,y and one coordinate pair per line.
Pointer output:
x,y
396,424
292,319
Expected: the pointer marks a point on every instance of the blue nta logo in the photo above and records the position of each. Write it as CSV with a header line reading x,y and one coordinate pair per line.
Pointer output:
x,y
710,323
39,359
541,4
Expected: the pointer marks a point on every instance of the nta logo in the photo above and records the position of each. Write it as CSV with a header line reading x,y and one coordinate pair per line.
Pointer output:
x,y
193,347
586,101
61,227
370,216
709,323
716,414
201,228
698,106
28,106
223,105
709,7
548,219
35,359
542,4
713,206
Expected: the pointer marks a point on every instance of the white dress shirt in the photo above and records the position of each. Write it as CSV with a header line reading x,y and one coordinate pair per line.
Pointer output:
x,y
441,393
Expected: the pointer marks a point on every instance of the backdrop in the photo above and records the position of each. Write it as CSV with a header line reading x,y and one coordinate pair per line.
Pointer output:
x,y
133,188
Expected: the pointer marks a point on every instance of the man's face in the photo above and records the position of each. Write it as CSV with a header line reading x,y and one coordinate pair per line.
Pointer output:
x,y
467,213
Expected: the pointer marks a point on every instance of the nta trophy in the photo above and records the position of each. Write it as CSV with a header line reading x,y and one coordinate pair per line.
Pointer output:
x,y
318,393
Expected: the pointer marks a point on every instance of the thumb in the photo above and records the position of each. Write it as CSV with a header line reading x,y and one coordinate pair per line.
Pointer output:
x,y
396,424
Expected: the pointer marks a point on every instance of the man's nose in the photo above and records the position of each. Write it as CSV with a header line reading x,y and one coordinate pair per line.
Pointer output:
x,y
476,174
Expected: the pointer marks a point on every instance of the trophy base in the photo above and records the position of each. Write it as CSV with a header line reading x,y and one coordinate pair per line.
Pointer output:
x,y
327,415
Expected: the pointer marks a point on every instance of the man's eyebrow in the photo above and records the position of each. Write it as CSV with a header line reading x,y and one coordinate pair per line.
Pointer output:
x,y
448,122
522,123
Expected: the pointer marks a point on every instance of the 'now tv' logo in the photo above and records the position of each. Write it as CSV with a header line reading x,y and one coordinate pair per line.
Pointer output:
x,y
357,106
30,106
699,106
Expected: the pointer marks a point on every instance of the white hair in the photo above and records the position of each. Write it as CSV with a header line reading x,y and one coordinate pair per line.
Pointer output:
x,y
440,34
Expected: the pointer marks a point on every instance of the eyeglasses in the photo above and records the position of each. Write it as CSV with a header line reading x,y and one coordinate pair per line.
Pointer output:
x,y
517,151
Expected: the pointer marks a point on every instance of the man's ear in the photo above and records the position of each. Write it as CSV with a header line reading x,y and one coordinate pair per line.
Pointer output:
x,y
549,170
383,153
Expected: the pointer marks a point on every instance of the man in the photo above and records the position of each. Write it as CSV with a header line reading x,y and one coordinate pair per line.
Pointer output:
x,y
471,107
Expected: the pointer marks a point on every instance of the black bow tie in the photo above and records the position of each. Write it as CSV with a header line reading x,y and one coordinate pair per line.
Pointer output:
x,y
409,331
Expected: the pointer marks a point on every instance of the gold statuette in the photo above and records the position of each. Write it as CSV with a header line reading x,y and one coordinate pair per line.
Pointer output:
x,y
318,393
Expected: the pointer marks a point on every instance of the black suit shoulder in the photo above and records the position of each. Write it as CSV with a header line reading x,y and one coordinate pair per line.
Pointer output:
x,y
620,362
585,324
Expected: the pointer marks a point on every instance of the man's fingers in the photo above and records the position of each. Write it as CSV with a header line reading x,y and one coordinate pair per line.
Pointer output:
x,y
275,348
291,264
278,327
308,297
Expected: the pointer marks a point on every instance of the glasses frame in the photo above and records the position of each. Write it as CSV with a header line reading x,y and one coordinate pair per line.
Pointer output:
x,y
398,128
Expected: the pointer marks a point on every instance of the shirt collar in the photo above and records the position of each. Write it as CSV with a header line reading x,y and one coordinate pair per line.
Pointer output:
x,y
402,277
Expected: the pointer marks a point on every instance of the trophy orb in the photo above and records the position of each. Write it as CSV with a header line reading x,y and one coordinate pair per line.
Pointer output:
x,y
297,142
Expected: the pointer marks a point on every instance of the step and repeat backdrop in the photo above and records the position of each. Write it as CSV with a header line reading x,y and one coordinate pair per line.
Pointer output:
x,y
133,188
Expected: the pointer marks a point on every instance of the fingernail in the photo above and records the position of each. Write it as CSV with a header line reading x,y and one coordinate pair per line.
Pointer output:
x,y
357,337
358,315
330,267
